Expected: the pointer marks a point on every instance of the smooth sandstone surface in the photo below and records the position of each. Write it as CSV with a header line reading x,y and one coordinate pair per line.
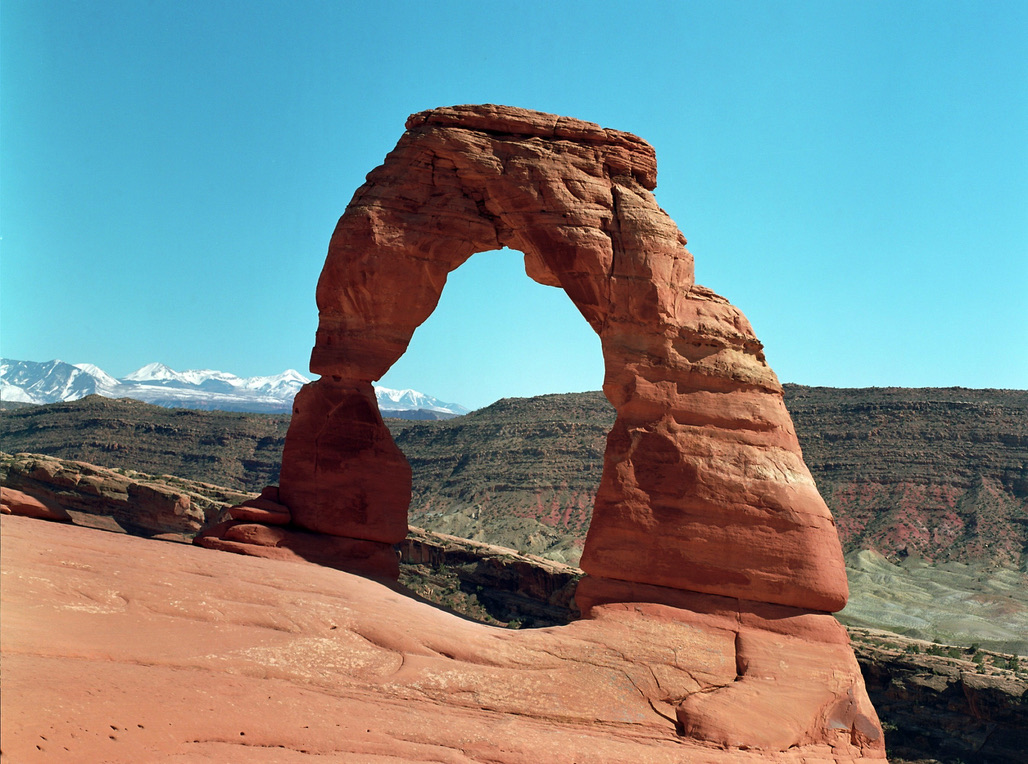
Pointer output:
x,y
14,502
120,649
704,487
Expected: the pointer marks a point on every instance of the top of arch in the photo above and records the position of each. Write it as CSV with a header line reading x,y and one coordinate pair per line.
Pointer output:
x,y
526,123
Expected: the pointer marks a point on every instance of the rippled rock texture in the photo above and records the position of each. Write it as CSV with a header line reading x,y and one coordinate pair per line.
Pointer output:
x,y
122,649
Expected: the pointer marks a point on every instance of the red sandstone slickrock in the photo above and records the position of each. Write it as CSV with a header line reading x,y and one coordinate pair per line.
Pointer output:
x,y
706,514
14,502
145,503
121,649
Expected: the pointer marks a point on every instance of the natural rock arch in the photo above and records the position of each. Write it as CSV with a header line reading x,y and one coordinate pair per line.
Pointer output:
x,y
704,488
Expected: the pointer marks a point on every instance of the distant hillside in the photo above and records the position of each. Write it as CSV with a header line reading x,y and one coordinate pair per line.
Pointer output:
x,y
939,473
235,450
520,473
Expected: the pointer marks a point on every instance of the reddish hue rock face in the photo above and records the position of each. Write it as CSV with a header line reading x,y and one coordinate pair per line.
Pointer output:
x,y
344,476
274,542
13,502
145,503
704,488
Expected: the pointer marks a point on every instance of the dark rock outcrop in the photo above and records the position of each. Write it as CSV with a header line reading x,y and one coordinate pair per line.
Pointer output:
x,y
139,504
508,587
945,709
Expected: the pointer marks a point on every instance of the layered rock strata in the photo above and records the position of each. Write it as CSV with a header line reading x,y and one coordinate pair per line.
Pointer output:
x,y
703,488
148,505
705,504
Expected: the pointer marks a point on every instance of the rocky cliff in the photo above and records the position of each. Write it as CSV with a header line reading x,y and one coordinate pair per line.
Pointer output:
x,y
939,473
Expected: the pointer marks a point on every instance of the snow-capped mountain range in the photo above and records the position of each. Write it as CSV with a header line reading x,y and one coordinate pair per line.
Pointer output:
x,y
53,381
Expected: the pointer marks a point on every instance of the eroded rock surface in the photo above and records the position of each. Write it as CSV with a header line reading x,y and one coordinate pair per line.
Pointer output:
x,y
14,502
133,501
706,521
267,660
703,488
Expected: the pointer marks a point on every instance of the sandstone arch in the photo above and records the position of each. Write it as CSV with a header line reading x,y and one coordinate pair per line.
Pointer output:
x,y
704,488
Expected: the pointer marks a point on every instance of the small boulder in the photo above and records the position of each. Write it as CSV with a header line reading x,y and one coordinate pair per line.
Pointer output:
x,y
14,502
261,510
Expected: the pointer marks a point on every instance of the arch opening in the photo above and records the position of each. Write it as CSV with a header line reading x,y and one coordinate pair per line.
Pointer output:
x,y
506,474
495,333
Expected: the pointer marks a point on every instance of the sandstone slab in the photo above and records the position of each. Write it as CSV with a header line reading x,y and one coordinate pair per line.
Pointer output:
x,y
141,503
267,660
276,542
15,502
262,510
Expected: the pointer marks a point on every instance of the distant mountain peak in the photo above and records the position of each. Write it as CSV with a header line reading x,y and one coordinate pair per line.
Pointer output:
x,y
53,381
149,372
48,381
411,400
98,373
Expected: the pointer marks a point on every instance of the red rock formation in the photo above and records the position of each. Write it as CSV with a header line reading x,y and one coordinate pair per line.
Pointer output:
x,y
705,504
119,649
262,527
14,502
265,508
144,503
260,539
704,488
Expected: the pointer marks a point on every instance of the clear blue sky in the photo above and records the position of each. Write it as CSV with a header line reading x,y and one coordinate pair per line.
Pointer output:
x,y
854,176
